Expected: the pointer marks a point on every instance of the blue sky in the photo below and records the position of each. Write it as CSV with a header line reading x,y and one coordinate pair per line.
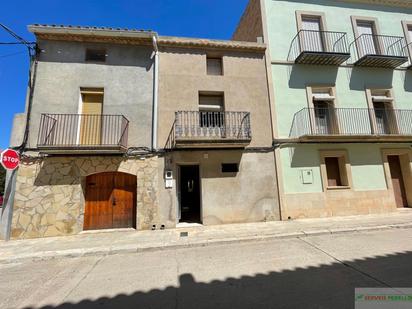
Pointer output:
x,y
193,18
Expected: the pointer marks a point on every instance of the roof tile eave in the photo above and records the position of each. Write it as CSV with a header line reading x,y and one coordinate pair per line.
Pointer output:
x,y
393,3
208,43
86,30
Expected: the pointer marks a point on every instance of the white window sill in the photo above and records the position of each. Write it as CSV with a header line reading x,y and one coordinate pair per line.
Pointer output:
x,y
338,188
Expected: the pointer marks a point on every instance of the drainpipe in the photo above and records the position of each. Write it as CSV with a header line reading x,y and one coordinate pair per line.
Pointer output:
x,y
155,93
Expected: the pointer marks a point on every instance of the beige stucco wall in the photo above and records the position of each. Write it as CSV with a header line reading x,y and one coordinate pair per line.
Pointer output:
x,y
247,196
17,131
183,75
50,198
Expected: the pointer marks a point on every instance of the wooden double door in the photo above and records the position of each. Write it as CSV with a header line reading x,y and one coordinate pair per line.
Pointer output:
x,y
110,201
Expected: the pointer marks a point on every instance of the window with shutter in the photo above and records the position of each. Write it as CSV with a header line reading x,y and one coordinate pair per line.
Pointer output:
x,y
214,66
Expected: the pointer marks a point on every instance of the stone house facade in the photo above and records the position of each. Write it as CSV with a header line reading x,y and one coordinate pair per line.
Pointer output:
x,y
90,134
215,124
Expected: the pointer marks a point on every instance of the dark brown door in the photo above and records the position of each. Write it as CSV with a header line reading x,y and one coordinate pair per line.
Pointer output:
x,y
397,181
110,201
189,194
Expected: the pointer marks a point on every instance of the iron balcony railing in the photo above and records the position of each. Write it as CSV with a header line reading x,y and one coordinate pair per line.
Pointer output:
x,y
318,42
408,51
378,45
82,131
351,121
208,126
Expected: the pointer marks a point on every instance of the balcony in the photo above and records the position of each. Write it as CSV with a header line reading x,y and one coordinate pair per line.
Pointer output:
x,y
408,51
381,51
194,129
75,133
352,124
319,47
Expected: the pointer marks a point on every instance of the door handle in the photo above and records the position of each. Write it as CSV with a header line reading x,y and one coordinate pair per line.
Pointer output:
x,y
190,186
114,201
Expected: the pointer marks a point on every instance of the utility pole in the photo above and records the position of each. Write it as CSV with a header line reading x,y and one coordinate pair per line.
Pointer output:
x,y
6,213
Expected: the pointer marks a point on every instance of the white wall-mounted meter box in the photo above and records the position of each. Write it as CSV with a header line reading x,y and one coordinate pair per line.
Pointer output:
x,y
307,177
169,179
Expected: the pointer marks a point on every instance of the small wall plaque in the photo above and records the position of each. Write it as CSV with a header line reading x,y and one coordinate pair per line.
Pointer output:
x,y
307,177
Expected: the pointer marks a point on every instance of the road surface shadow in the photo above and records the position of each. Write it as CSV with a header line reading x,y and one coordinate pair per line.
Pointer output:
x,y
326,286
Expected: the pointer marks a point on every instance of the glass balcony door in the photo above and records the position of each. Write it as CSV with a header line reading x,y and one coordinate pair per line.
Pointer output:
x,y
385,118
211,114
324,116
367,43
311,39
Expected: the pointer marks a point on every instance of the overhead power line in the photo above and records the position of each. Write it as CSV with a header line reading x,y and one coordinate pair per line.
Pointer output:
x,y
31,48
15,35
16,43
12,54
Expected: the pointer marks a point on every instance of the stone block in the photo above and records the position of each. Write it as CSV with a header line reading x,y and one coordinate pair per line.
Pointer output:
x,y
24,220
52,231
50,219
16,232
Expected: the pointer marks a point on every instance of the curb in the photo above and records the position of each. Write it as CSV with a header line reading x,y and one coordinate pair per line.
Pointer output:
x,y
101,251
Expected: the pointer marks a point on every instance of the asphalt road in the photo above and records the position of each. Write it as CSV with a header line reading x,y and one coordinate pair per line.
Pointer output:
x,y
312,272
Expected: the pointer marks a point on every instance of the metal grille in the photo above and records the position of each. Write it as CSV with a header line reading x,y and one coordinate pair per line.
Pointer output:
x,y
384,45
351,121
408,51
77,130
205,125
378,51
319,42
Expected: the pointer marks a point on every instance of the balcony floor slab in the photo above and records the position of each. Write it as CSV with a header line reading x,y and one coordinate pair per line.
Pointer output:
x,y
81,150
322,58
390,62
210,143
356,138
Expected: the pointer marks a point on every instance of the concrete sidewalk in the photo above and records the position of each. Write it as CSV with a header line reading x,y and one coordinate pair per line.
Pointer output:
x,y
131,241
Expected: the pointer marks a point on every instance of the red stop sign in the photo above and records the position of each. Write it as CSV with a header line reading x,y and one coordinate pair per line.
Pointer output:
x,y
10,159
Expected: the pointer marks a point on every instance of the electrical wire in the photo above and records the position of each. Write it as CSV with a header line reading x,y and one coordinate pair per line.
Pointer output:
x,y
16,43
12,54
15,35
32,53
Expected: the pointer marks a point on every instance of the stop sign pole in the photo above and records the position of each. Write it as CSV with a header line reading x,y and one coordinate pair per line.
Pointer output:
x,y
10,159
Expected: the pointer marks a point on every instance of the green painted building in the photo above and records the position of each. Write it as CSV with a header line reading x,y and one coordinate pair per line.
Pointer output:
x,y
341,99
